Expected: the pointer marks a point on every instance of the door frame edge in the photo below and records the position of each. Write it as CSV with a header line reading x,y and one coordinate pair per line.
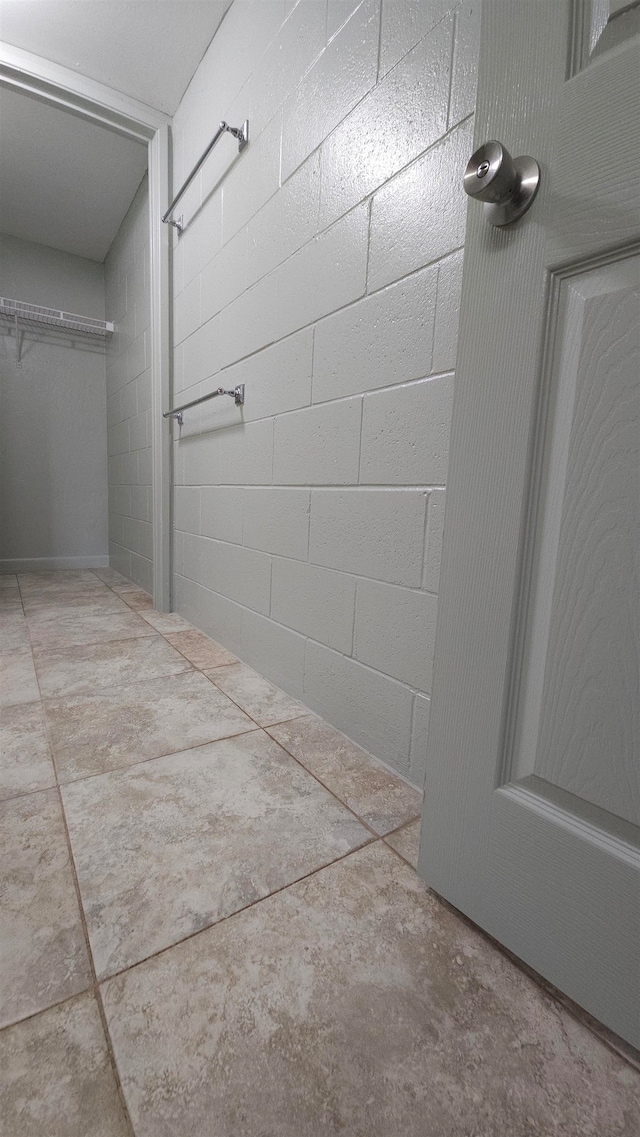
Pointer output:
x,y
59,86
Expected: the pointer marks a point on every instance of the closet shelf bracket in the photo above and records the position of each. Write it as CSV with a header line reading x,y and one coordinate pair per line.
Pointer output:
x,y
19,336
22,315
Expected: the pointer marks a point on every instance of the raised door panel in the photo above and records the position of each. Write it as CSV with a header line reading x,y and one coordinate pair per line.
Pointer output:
x,y
593,202
579,724
598,26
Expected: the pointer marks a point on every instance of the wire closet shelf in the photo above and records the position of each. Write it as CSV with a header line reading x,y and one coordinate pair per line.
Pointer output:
x,y
34,315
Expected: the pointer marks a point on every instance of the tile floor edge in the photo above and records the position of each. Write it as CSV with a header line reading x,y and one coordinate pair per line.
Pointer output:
x,y
557,997
308,711
300,762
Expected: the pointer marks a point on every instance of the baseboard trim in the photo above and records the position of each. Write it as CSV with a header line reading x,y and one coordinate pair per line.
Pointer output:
x,y
48,564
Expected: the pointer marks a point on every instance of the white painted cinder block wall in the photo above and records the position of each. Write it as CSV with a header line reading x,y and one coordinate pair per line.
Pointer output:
x,y
322,268
127,302
53,445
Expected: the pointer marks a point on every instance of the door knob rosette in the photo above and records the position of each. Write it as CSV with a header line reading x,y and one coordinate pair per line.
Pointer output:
x,y
507,185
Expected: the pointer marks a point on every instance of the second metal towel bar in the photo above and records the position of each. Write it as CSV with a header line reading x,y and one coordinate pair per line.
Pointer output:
x,y
239,132
237,394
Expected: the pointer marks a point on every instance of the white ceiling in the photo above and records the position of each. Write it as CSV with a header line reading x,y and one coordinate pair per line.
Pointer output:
x,y
65,182
149,49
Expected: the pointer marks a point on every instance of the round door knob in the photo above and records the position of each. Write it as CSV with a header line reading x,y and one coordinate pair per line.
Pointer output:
x,y
507,185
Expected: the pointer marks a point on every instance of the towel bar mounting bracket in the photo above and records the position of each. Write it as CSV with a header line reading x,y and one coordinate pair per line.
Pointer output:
x,y
237,394
240,133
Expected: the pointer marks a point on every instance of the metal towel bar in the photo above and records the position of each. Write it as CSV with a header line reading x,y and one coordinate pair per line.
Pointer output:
x,y
237,394
239,132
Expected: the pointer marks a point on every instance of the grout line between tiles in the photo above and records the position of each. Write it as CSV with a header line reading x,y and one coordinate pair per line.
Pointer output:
x,y
343,803
94,643
240,911
65,647
30,793
399,855
270,727
128,683
40,702
95,987
266,730
404,825
49,1007
196,666
156,758
292,718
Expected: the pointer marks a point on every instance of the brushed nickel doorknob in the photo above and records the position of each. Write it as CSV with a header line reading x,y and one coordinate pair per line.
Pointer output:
x,y
507,185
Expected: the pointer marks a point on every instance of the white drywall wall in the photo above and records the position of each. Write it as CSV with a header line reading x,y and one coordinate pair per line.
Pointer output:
x,y
129,395
53,440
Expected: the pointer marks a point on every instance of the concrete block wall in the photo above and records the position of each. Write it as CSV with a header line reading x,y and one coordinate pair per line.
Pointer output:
x,y
127,299
322,268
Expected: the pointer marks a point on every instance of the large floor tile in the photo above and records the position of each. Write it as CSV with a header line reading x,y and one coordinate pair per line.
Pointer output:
x,y
14,631
120,587
91,734
354,1003
57,1079
25,759
201,651
18,683
73,629
169,847
10,602
85,669
166,621
42,947
56,603
62,579
8,582
406,842
137,599
111,576
380,798
265,703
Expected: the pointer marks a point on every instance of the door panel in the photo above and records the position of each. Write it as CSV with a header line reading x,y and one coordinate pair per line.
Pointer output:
x,y
593,188
598,26
588,901
532,802
580,718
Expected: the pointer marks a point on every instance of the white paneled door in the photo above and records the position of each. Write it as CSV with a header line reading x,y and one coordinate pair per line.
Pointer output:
x,y
532,814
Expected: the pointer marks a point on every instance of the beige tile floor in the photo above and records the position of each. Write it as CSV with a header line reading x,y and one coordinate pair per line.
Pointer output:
x,y
211,923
